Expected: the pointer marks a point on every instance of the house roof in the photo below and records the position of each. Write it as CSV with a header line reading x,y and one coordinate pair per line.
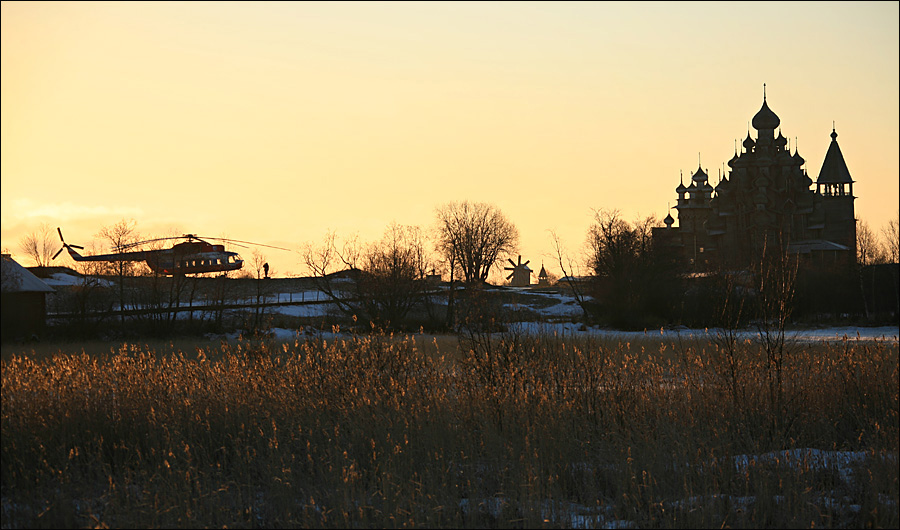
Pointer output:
x,y
18,279
809,245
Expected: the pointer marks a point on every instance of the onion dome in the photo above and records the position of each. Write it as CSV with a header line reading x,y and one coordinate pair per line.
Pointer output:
x,y
781,141
669,221
700,175
765,119
797,158
807,182
680,188
749,143
723,187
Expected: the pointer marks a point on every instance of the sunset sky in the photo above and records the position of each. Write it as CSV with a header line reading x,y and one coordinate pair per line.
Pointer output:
x,y
277,122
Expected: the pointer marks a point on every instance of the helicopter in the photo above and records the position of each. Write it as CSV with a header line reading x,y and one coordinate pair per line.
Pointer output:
x,y
192,256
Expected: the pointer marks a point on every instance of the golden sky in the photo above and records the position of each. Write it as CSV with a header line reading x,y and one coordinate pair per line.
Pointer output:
x,y
276,122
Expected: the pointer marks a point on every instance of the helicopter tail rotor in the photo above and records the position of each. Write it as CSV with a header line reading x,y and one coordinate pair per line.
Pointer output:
x,y
64,244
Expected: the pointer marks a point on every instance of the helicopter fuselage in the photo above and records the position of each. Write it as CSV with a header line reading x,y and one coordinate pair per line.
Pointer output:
x,y
190,257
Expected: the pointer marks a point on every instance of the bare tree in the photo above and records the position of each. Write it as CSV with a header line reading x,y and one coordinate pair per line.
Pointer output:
x,y
324,260
775,276
869,250
613,244
382,281
634,280
118,235
393,275
891,233
569,275
260,266
475,236
39,245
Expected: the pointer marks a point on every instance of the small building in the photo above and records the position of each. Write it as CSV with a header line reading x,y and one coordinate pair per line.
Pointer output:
x,y
433,278
543,277
520,275
24,301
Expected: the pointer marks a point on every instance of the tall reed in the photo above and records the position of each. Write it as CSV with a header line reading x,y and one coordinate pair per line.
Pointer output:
x,y
515,431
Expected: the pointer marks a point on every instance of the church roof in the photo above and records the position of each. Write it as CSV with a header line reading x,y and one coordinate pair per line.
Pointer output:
x,y
748,142
781,140
765,118
834,169
699,176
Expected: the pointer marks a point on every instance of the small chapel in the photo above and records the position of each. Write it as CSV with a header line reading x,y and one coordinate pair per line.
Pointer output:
x,y
765,198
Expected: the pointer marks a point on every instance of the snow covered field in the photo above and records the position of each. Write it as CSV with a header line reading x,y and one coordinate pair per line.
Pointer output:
x,y
887,333
556,312
557,308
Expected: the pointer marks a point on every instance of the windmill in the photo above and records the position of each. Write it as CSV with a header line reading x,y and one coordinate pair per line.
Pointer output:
x,y
520,275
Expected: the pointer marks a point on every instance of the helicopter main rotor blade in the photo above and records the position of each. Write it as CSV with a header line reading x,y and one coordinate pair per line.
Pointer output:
x,y
247,242
130,245
57,253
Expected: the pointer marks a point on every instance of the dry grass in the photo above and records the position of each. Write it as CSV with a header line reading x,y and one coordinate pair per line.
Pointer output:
x,y
509,431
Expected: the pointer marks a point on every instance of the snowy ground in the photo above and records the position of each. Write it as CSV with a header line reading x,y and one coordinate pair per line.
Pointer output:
x,y
556,310
564,307
887,333
59,279
845,464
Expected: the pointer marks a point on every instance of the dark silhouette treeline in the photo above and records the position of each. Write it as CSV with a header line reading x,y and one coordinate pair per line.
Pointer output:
x,y
435,280
639,283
